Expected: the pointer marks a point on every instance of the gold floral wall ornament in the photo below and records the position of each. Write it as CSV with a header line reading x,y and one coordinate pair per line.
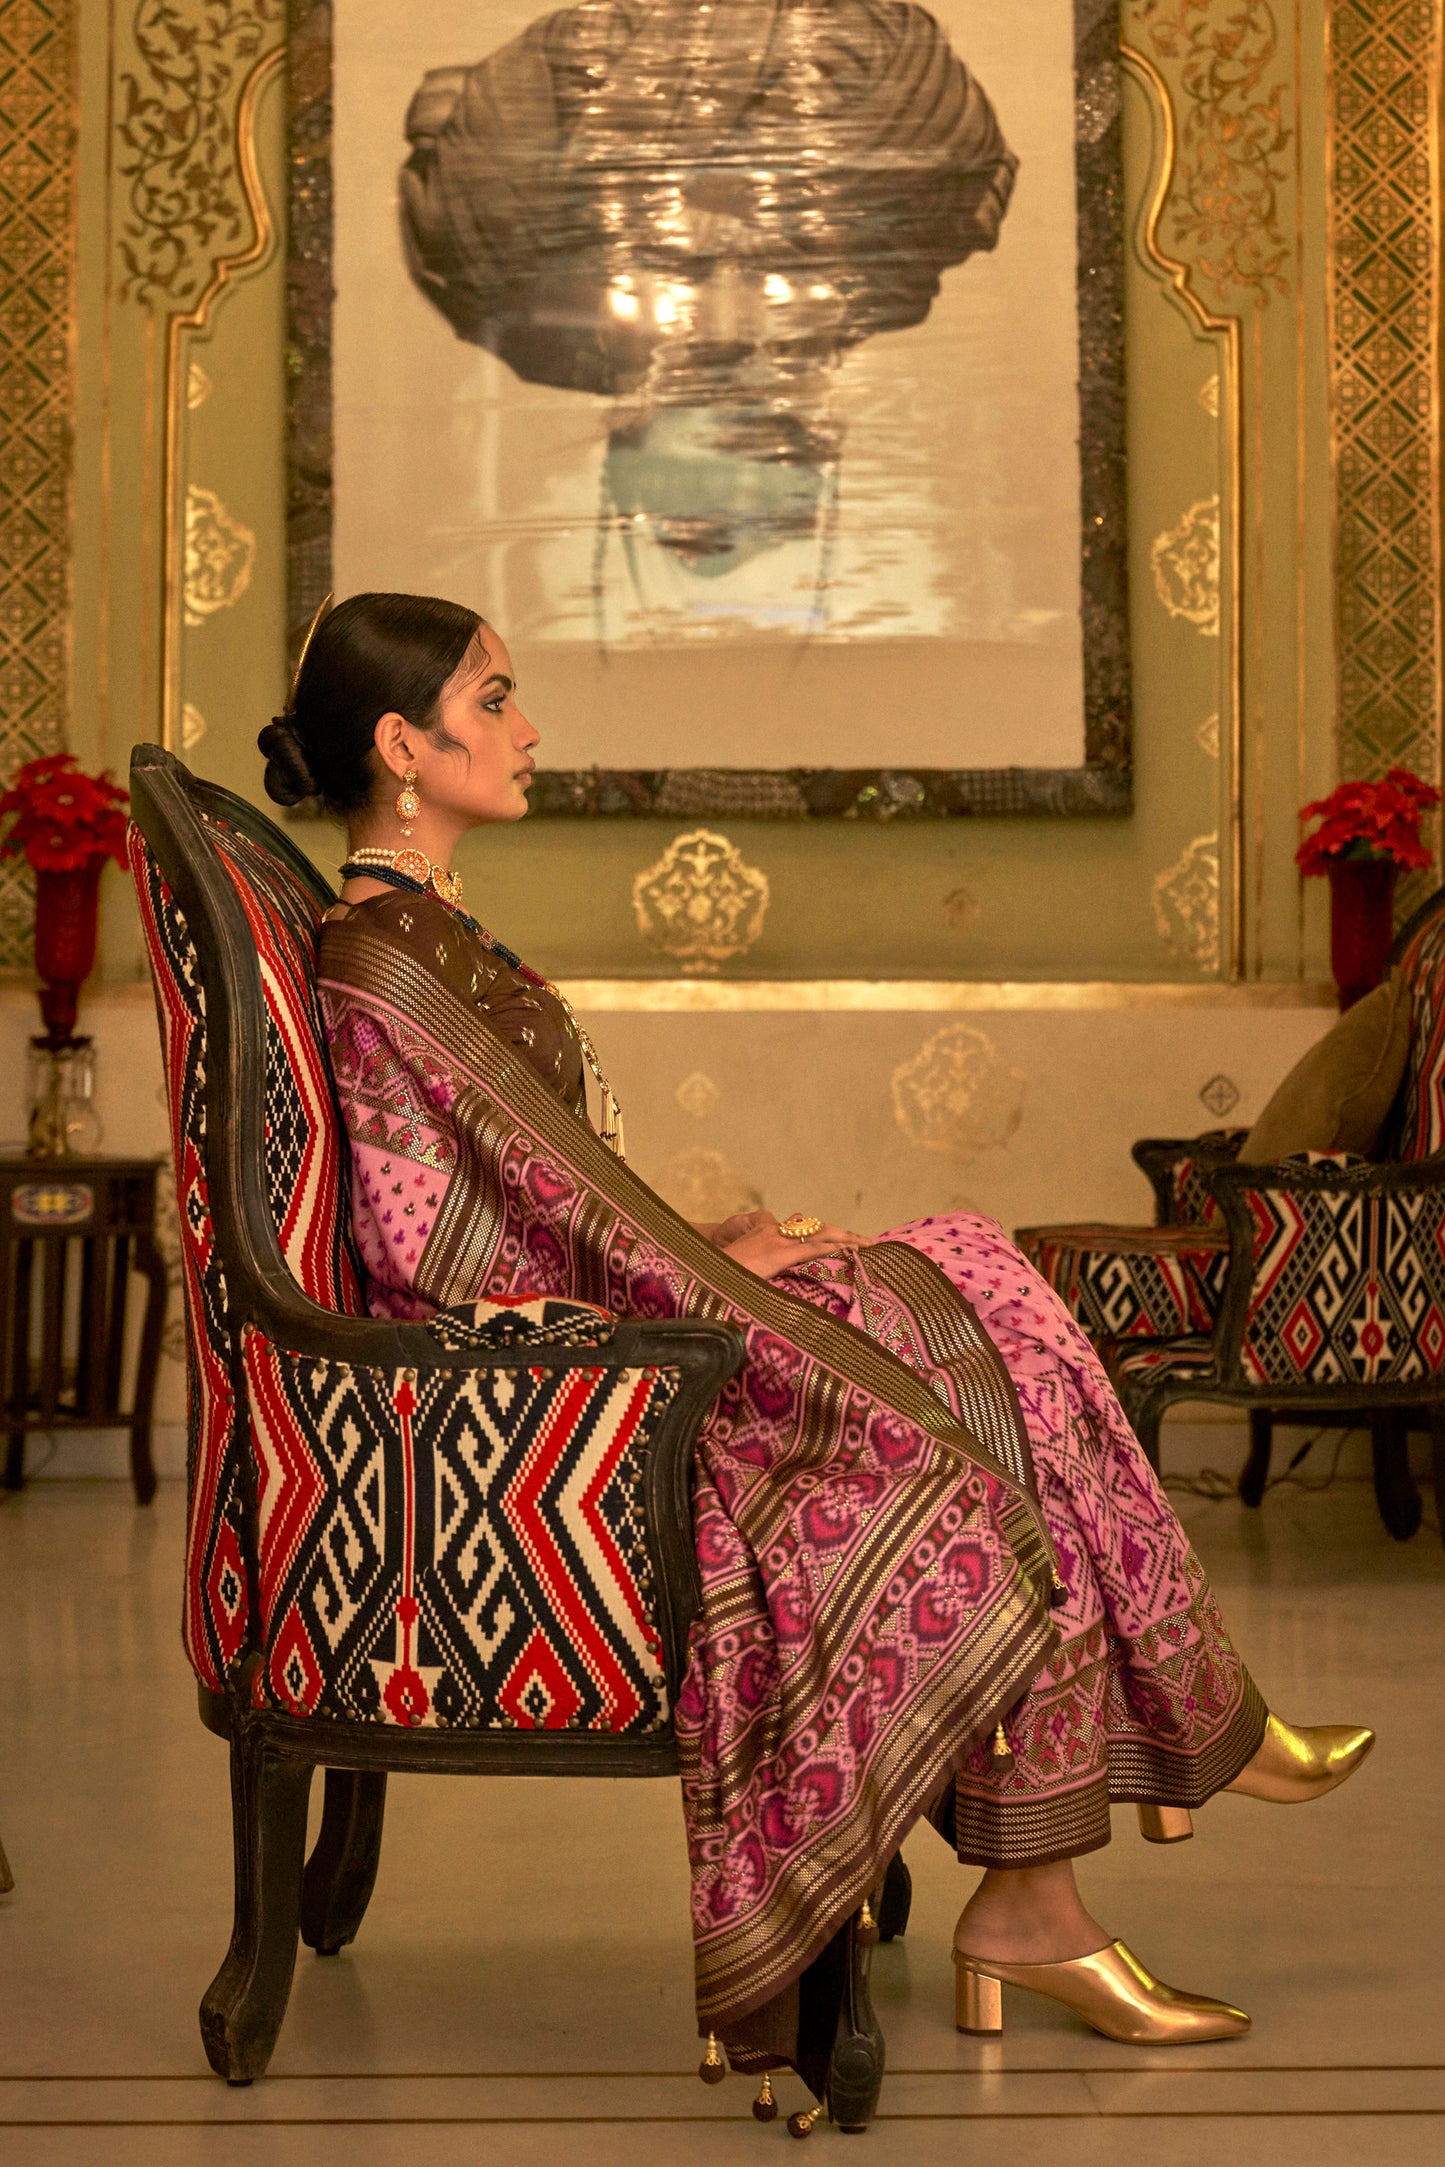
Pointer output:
x,y
957,1095
198,386
37,404
176,130
701,904
697,1095
1385,259
1185,563
1206,737
1186,904
1208,396
703,1186
961,909
1225,206
193,727
220,554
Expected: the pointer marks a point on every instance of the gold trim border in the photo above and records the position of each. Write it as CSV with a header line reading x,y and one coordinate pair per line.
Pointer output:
x,y
1229,331
919,996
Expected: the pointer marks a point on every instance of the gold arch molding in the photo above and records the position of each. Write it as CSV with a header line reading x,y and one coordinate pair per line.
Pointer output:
x,y
1227,401
178,386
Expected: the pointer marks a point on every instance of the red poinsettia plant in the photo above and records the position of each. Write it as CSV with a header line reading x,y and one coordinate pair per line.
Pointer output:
x,y
1369,821
61,818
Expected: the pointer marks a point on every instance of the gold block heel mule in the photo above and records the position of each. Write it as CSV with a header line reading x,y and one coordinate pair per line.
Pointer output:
x,y
1292,1765
1111,1990
1165,1824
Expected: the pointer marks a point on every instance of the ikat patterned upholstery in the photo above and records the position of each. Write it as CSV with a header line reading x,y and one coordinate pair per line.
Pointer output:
x,y
461,1547
1133,1282
456,1547
1348,1284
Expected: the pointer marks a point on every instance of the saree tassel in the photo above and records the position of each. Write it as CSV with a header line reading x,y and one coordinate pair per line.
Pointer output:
x,y
612,1135
1001,1752
1058,1591
712,2068
765,2107
801,2125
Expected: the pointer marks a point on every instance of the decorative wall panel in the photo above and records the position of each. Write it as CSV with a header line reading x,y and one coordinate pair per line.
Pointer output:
x,y
1385,260
37,313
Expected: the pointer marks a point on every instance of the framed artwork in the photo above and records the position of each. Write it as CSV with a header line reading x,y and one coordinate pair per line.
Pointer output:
x,y
755,365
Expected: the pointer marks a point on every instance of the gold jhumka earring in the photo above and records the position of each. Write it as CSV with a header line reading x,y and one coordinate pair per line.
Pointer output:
x,y
408,804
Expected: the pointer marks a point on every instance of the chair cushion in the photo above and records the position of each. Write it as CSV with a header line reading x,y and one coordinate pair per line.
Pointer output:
x,y
1336,1097
1183,1361
1419,1128
540,1322
1132,1282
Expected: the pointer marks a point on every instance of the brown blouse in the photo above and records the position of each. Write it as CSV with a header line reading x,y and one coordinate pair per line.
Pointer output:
x,y
529,1017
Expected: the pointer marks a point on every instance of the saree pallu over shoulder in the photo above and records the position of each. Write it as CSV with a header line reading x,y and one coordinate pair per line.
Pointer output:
x,y
874,1562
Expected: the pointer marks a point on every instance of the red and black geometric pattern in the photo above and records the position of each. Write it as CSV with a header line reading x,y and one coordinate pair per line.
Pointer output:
x,y
1349,1286
1133,1282
456,1548
216,1615
521,1321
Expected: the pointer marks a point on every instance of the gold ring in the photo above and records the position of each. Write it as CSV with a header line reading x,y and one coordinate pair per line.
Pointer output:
x,y
800,1226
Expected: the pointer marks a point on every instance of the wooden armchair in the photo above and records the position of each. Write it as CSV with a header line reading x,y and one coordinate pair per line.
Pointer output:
x,y
1309,1290
332,1616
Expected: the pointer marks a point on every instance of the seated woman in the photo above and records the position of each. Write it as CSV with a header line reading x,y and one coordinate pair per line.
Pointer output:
x,y
939,1577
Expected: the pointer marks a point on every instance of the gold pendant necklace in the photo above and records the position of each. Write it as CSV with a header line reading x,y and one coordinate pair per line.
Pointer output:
x,y
416,865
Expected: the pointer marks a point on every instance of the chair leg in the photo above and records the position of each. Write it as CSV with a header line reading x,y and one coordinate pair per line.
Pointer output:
x,y
896,1901
7,1879
1146,1419
1395,1491
244,2005
1254,1475
1437,1459
341,1871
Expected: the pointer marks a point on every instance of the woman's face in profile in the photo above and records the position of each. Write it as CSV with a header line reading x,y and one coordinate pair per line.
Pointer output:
x,y
485,774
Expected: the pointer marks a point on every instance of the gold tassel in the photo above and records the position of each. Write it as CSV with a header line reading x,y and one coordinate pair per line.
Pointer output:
x,y
801,2125
1002,1752
712,2068
765,2107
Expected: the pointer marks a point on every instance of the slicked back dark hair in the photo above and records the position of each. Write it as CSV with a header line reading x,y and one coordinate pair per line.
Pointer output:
x,y
372,655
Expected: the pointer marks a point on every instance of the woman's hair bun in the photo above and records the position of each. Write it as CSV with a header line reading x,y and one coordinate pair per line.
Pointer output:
x,y
288,777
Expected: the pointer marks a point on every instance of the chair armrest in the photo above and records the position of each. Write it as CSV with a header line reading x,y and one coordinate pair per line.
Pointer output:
x,y
577,1461
1336,1274
1178,1170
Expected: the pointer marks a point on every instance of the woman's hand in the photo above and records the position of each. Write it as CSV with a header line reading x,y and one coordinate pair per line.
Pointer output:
x,y
767,1252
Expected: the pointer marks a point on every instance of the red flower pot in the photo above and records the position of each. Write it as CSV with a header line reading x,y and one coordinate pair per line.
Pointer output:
x,y
65,914
1362,923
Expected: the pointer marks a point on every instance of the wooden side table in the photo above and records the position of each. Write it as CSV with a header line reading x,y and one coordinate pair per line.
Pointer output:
x,y
73,1235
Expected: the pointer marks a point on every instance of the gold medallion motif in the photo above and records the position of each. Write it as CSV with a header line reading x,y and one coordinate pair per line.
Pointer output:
x,y
701,904
1186,904
956,1095
219,556
1185,563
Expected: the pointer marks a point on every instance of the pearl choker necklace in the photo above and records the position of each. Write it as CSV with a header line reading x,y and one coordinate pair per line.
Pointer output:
x,y
415,865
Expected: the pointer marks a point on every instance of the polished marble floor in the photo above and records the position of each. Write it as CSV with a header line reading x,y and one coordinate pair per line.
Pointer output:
x,y
519,1992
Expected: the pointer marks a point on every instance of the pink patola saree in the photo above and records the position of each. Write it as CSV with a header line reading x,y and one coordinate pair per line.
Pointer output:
x,y
920,1513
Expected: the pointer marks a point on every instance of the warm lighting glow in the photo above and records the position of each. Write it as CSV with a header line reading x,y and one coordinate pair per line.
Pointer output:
x,y
622,303
776,288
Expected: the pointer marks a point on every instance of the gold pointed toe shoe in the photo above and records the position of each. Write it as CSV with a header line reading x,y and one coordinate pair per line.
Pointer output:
x,y
1111,1990
1292,1765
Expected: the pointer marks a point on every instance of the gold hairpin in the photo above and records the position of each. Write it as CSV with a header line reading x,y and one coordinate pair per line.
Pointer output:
x,y
322,608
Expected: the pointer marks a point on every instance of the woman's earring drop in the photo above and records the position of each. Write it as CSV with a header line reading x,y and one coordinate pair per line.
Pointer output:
x,y
408,804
